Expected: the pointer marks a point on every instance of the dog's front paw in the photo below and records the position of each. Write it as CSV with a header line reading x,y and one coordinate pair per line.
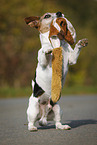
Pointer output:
x,y
62,127
32,128
83,42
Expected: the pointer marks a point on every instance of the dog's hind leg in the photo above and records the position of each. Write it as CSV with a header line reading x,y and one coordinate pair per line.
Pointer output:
x,y
32,113
43,119
45,109
57,118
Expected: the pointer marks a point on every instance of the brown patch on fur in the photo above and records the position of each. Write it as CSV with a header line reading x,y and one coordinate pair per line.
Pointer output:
x,y
33,21
69,38
67,35
61,35
53,31
56,84
64,33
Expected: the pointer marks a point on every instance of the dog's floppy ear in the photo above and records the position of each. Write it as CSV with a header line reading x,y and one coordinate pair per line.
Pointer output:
x,y
32,21
59,28
65,31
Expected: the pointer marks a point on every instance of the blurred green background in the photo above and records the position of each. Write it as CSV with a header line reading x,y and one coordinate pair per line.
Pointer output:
x,y
19,45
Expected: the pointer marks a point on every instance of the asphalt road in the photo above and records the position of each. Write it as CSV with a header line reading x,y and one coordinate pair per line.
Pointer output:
x,y
80,112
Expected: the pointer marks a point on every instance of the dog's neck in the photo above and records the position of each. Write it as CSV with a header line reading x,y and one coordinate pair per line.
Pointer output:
x,y
44,38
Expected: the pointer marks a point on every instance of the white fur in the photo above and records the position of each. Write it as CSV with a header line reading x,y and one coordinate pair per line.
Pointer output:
x,y
44,76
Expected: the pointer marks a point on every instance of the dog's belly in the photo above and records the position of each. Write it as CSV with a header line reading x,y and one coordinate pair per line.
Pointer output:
x,y
44,77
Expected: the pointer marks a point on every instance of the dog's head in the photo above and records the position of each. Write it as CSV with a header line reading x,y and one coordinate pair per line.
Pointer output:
x,y
43,24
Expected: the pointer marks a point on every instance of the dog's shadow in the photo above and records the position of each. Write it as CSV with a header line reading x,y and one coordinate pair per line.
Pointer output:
x,y
49,126
72,123
78,123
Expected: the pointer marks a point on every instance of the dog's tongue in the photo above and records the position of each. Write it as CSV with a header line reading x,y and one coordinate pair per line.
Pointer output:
x,y
56,84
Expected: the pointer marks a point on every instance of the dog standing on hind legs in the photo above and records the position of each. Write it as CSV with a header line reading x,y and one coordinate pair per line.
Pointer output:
x,y
55,32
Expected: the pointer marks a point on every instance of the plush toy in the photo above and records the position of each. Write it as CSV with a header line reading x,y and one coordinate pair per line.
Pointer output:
x,y
58,28
56,84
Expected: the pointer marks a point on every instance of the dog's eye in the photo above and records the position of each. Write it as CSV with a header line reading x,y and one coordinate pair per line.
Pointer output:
x,y
47,16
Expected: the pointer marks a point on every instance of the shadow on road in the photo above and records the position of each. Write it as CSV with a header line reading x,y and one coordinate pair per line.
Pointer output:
x,y
78,123
72,123
49,126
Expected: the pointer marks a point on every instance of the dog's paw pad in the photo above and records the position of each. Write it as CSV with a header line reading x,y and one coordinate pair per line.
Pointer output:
x,y
83,42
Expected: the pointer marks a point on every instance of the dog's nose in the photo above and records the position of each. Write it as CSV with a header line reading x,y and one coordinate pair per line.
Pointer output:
x,y
59,14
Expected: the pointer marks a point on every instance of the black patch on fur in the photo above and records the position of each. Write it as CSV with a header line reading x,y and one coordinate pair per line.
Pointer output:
x,y
51,102
38,91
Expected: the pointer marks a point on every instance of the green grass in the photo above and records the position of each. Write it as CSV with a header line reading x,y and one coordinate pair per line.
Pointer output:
x,y
80,90
9,92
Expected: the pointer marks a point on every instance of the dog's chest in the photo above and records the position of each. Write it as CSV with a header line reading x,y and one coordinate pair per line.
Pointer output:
x,y
44,38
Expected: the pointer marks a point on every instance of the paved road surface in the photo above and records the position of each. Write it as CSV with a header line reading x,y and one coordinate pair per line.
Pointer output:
x,y
80,112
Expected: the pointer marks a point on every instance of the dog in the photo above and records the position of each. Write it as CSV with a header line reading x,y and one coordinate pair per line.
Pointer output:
x,y
55,31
